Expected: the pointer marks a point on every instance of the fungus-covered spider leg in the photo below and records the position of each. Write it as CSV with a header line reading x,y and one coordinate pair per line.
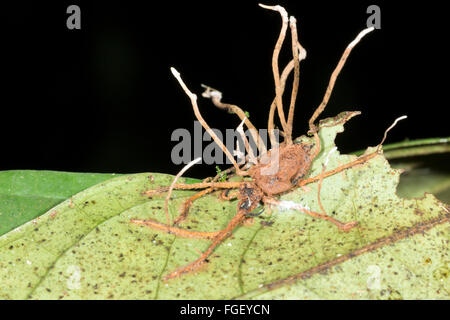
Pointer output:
x,y
176,231
222,235
292,205
187,204
225,195
194,186
201,185
360,160
207,186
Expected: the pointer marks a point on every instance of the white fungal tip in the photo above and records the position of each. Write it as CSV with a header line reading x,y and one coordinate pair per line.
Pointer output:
x,y
174,72
278,8
395,122
360,36
211,93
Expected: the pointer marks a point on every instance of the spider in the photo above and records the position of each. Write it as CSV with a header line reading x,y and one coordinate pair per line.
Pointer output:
x,y
274,172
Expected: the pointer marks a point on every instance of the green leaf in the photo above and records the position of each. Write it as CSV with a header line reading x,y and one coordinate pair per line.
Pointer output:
x,y
409,148
26,194
86,247
425,165
425,174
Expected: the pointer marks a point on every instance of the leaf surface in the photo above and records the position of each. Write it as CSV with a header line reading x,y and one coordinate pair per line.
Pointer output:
x,y
86,247
26,194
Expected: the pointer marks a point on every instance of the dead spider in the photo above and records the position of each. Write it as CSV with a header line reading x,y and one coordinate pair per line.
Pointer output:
x,y
274,172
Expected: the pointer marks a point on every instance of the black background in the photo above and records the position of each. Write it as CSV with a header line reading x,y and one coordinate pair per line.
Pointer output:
x,y
102,99
278,308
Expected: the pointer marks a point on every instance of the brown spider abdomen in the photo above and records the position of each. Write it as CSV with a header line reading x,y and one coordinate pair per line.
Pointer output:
x,y
274,176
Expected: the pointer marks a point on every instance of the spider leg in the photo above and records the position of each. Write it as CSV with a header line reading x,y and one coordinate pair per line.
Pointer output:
x,y
176,231
343,226
187,204
225,195
216,185
323,215
207,186
221,235
359,160
256,214
250,196
193,186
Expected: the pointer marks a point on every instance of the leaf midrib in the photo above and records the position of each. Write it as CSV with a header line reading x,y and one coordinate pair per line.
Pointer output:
x,y
402,234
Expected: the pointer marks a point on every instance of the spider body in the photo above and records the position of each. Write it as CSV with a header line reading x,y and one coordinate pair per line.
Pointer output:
x,y
276,174
249,197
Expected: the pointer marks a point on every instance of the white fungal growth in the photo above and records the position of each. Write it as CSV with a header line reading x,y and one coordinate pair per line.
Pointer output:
x,y
289,205
392,125
360,36
169,193
238,152
211,93
328,156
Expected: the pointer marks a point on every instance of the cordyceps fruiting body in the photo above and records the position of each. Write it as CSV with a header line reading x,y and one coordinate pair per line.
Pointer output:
x,y
276,171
